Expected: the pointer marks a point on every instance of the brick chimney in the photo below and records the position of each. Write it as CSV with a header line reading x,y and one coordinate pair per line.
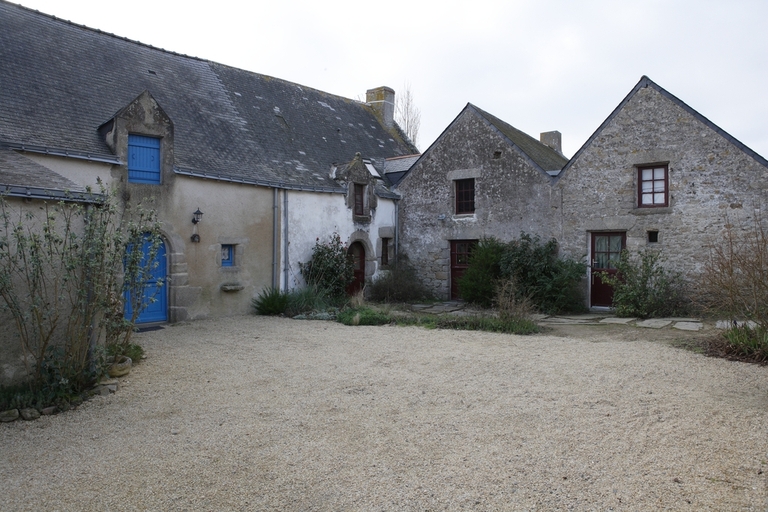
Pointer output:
x,y
552,139
382,100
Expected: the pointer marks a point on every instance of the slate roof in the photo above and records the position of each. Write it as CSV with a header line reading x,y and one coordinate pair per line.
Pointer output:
x,y
60,81
21,177
396,168
542,155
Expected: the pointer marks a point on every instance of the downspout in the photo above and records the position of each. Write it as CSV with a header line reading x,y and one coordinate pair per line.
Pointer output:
x,y
286,261
397,229
275,223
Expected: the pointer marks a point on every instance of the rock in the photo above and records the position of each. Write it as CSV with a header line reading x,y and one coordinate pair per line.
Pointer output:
x,y
121,367
30,413
654,323
47,411
10,415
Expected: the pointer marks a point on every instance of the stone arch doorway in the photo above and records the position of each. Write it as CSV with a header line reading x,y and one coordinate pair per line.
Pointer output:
x,y
356,253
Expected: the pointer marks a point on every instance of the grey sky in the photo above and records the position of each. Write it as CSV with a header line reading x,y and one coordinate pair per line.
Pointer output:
x,y
555,65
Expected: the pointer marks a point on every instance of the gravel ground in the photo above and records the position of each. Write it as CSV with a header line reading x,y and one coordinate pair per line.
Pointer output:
x,y
256,413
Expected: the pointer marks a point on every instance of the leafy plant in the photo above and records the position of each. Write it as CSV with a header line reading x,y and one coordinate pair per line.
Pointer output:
x,y
270,301
478,284
400,283
64,270
642,287
748,342
330,269
550,283
363,316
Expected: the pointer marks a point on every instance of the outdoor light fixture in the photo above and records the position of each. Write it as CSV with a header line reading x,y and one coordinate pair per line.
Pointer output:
x,y
196,218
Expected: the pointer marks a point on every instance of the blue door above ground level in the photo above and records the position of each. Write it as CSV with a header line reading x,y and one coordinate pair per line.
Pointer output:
x,y
155,298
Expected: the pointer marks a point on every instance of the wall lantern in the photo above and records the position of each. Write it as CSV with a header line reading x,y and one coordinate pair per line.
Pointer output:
x,y
196,218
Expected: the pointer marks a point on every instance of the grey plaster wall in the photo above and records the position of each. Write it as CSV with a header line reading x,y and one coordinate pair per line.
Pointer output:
x,y
511,196
711,182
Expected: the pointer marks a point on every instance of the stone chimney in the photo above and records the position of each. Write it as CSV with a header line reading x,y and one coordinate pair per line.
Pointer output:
x,y
382,100
552,139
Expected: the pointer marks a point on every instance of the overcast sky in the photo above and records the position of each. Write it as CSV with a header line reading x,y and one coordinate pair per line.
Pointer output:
x,y
538,65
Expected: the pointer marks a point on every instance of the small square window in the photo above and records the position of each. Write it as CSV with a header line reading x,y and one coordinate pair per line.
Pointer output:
x,y
653,186
465,196
653,237
227,255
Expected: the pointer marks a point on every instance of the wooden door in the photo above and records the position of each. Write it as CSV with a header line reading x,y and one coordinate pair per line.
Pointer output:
x,y
154,302
357,254
460,252
606,250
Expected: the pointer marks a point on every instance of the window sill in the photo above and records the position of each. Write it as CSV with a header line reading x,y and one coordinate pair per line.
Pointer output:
x,y
463,216
230,269
232,287
361,218
651,210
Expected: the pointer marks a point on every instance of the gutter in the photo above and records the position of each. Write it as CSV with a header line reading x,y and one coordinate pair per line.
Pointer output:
x,y
261,183
43,193
68,153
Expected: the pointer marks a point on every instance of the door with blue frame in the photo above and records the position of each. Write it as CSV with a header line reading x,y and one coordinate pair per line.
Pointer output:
x,y
154,298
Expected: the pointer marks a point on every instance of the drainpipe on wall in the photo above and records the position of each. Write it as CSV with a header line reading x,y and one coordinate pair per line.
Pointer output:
x,y
397,229
285,240
275,272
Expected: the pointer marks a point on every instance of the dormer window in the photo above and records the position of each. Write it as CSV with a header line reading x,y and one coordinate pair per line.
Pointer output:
x,y
359,199
143,159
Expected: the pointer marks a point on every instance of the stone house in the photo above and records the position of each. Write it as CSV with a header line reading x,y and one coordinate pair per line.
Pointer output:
x,y
272,165
656,174
480,178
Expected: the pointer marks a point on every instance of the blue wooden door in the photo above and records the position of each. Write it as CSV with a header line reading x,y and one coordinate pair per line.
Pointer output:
x,y
154,310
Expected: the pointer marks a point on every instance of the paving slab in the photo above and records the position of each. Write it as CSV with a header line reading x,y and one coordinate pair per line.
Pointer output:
x,y
679,319
568,321
617,320
654,323
688,326
727,324
588,316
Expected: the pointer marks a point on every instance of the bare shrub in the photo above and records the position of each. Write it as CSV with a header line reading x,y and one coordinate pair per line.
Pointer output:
x,y
735,284
509,305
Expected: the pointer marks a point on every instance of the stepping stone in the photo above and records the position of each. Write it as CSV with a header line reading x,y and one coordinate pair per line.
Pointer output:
x,y
727,324
590,316
688,326
617,320
654,323
537,317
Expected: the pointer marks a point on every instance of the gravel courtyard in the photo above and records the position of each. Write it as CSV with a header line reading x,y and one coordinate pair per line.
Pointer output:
x,y
256,413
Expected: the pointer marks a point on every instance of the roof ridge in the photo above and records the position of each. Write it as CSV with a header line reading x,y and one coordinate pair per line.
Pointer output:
x,y
102,32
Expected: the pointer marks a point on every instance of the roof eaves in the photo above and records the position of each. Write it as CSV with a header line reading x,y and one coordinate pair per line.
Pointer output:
x,y
484,115
67,153
647,82
44,193
256,182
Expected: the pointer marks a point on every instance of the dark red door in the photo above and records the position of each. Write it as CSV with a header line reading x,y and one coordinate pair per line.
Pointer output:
x,y
606,249
357,253
460,251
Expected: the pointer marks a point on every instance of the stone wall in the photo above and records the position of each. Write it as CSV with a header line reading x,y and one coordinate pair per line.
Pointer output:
x,y
510,196
711,182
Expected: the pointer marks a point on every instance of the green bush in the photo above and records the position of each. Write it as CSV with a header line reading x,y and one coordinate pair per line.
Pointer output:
x,y
642,287
271,301
478,284
363,316
330,269
552,284
400,283
747,342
